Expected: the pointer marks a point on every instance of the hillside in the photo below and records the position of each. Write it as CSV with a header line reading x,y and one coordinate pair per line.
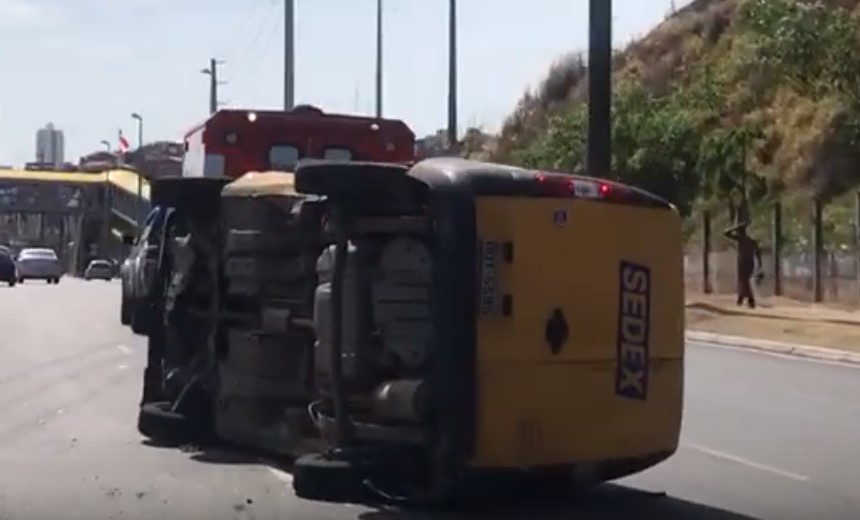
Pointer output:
x,y
727,103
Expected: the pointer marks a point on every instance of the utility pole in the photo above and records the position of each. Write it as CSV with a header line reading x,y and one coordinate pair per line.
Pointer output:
x,y
289,54
214,83
379,59
599,161
452,74
140,217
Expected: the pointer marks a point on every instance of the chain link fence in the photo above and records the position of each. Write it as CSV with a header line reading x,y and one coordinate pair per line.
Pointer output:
x,y
788,241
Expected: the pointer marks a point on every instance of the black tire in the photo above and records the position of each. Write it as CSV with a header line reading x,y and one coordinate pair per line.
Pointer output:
x,y
322,478
192,195
159,422
20,280
11,282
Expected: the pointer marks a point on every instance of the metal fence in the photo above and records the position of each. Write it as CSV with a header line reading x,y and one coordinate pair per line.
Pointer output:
x,y
839,284
788,240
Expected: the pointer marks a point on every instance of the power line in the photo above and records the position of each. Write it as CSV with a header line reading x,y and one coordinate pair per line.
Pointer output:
x,y
270,34
247,25
242,59
249,14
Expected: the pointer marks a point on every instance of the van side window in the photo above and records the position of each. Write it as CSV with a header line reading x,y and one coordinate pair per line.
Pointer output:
x,y
337,154
283,157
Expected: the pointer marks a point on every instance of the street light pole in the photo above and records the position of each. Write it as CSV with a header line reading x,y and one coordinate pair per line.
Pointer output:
x,y
106,145
139,120
289,54
452,75
599,154
379,59
139,211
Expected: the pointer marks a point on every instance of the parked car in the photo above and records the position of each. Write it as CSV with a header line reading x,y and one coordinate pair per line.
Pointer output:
x,y
138,270
8,272
39,263
99,270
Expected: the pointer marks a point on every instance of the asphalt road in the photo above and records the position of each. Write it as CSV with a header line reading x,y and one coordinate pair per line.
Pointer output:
x,y
765,437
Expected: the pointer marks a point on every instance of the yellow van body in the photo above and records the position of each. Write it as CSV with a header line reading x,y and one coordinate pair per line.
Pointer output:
x,y
607,281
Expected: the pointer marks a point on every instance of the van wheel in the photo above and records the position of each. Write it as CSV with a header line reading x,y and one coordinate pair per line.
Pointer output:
x,y
160,423
12,282
317,476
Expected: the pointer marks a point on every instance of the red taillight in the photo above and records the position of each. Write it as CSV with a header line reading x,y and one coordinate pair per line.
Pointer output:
x,y
560,185
555,185
604,189
564,185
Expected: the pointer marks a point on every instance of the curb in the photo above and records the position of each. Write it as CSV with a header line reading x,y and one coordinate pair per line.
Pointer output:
x,y
776,347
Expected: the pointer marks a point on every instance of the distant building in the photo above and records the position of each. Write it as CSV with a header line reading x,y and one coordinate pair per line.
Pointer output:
x,y
158,159
50,146
433,145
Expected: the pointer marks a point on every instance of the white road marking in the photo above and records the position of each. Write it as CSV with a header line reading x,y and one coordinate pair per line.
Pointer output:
x,y
283,476
746,462
124,349
789,357
122,366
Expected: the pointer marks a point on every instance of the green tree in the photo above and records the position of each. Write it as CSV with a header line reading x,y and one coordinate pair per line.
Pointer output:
x,y
722,163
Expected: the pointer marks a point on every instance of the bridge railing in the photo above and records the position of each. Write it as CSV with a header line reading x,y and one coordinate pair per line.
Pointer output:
x,y
129,195
127,192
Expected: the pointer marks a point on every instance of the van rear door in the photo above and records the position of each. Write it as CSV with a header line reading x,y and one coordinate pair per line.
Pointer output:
x,y
584,345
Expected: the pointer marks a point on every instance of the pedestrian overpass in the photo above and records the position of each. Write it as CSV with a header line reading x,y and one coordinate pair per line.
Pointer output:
x,y
121,194
80,214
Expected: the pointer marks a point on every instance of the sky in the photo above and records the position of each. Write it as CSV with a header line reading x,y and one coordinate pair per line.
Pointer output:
x,y
86,65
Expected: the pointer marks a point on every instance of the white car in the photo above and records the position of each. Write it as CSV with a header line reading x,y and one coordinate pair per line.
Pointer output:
x,y
39,263
99,270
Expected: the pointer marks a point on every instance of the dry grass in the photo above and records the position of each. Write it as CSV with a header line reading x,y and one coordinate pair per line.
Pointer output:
x,y
777,319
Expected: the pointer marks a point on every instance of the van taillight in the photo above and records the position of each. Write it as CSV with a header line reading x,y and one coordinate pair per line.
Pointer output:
x,y
562,185
556,185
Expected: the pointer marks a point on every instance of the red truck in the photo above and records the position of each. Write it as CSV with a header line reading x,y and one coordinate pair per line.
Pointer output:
x,y
233,142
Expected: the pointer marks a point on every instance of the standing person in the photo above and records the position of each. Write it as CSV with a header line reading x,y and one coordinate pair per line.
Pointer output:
x,y
748,262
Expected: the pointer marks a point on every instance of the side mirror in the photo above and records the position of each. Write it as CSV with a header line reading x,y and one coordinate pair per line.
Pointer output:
x,y
128,240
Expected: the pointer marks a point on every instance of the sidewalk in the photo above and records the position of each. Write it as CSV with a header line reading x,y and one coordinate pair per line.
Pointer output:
x,y
776,319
